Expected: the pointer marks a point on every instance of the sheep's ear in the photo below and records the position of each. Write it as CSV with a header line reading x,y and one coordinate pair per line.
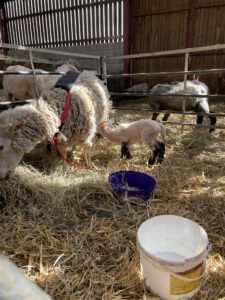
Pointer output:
x,y
111,121
12,129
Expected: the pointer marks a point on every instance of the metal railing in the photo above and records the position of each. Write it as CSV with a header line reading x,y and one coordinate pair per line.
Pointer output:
x,y
185,73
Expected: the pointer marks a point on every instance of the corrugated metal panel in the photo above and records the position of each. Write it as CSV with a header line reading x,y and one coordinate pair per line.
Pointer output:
x,y
53,23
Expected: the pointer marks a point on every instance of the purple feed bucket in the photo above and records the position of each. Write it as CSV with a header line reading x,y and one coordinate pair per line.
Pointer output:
x,y
136,186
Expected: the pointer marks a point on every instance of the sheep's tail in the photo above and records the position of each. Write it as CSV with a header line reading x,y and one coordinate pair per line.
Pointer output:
x,y
163,132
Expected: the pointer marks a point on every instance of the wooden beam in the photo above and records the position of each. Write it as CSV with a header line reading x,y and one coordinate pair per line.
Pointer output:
x,y
3,26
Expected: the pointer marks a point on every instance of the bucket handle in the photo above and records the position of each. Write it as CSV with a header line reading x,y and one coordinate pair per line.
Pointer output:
x,y
185,278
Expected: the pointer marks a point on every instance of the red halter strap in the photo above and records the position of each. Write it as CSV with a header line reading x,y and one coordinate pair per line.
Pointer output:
x,y
62,119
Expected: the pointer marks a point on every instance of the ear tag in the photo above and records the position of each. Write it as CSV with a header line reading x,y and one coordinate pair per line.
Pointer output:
x,y
105,125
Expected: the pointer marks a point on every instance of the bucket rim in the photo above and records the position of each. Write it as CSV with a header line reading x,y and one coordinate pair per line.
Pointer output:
x,y
120,189
202,255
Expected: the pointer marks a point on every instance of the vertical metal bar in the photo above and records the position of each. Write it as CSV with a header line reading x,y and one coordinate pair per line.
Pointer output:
x,y
185,87
34,74
103,67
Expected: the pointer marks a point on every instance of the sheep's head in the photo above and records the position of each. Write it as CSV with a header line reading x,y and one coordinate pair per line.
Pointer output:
x,y
9,157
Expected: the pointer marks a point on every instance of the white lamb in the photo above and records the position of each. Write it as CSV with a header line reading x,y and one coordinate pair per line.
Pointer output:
x,y
145,131
23,127
21,87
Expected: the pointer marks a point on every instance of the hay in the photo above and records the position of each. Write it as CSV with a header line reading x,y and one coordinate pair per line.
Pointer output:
x,y
76,238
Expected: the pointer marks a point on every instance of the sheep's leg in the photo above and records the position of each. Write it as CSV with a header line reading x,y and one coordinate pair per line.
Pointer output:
x,y
125,151
87,156
199,119
161,152
166,116
154,116
63,153
212,122
158,151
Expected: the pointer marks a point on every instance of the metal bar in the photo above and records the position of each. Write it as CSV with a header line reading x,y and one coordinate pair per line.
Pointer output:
x,y
30,72
193,124
16,102
178,51
170,112
34,75
165,73
185,86
215,97
4,45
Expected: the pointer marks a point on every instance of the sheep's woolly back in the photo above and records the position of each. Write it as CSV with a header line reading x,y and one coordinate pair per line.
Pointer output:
x,y
80,123
98,94
39,124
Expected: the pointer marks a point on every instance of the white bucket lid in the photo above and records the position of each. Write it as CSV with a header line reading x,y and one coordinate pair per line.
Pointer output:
x,y
170,233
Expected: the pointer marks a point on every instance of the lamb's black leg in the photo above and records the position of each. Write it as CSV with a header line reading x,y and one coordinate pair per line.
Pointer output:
x,y
158,153
199,119
154,116
125,151
161,152
212,122
165,118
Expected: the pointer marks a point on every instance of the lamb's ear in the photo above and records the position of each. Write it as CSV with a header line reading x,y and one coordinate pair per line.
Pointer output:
x,y
111,121
12,129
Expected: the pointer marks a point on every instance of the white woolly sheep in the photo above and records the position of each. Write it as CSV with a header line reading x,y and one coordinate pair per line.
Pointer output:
x,y
138,88
21,87
196,104
145,131
33,123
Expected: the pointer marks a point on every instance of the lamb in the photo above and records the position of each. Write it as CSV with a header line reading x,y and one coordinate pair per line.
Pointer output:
x,y
194,87
21,87
31,124
145,131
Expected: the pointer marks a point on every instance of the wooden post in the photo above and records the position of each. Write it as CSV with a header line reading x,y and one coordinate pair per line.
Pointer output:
x,y
127,36
3,27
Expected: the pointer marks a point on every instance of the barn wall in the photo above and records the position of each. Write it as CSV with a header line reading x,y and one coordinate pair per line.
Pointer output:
x,y
160,25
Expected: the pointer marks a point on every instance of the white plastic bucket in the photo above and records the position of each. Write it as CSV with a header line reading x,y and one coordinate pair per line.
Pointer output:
x,y
173,254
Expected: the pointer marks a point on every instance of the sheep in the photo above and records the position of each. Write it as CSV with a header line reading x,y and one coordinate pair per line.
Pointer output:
x,y
21,87
32,124
15,285
145,131
138,88
194,87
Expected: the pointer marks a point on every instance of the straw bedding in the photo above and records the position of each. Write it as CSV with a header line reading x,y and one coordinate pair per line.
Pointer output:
x,y
76,238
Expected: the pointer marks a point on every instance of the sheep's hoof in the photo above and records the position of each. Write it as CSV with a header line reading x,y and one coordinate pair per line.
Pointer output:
x,y
151,161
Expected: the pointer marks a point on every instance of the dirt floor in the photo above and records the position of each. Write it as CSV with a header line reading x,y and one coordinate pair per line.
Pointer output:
x,y
76,237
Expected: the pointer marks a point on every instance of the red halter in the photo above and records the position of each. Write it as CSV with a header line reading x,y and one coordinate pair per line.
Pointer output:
x,y
62,119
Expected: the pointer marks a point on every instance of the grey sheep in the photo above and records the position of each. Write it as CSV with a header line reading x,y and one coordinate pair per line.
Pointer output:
x,y
195,104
